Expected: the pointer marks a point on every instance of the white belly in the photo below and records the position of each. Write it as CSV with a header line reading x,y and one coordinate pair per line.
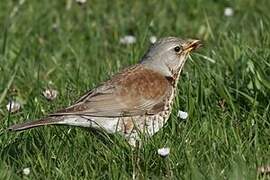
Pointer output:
x,y
107,124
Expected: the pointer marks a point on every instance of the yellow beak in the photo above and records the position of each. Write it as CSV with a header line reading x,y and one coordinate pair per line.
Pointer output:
x,y
192,45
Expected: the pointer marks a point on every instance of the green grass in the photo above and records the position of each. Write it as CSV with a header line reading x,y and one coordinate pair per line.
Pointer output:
x,y
46,44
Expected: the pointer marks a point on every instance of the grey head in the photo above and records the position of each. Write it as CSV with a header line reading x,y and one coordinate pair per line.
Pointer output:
x,y
168,55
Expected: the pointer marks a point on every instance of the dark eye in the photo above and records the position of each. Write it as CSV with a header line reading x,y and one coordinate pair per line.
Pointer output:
x,y
177,48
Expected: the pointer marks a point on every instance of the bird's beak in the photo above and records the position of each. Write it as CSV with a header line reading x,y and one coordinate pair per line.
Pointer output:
x,y
192,45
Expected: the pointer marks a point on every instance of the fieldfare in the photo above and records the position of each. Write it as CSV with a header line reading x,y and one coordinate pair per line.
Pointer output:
x,y
138,100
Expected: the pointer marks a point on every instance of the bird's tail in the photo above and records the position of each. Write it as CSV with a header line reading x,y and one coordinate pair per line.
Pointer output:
x,y
37,123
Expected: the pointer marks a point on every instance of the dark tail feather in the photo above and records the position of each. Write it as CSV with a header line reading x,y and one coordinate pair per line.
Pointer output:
x,y
33,124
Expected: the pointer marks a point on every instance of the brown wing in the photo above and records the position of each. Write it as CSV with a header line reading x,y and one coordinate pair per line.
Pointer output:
x,y
135,91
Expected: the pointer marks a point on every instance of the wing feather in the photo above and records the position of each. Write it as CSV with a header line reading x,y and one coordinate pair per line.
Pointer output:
x,y
136,91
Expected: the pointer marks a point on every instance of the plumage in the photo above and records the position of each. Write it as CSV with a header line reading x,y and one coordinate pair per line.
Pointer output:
x,y
137,99
132,92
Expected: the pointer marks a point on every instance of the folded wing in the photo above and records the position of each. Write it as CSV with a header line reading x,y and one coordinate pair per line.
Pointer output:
x,y
134,91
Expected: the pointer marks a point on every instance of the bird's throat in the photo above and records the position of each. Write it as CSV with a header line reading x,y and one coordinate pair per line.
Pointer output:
x,y
175,75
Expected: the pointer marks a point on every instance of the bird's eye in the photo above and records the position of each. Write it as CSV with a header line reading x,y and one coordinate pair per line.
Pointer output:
x,y
177,48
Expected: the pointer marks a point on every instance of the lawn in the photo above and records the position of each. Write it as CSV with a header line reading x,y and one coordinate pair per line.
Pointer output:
x,y
225,88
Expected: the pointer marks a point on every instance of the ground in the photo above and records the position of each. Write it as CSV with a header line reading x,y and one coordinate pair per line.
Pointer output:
x,y
72,47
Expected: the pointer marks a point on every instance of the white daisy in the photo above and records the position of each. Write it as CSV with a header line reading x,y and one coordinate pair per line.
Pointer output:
x,y
26,171
81,1
182,114
13,106
153,39
129,39
164,152
50,94
228,11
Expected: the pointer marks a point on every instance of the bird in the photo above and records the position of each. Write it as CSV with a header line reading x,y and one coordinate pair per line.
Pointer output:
x,y
137,100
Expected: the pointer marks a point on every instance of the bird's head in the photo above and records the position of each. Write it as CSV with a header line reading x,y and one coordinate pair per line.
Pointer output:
x,y
168,55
